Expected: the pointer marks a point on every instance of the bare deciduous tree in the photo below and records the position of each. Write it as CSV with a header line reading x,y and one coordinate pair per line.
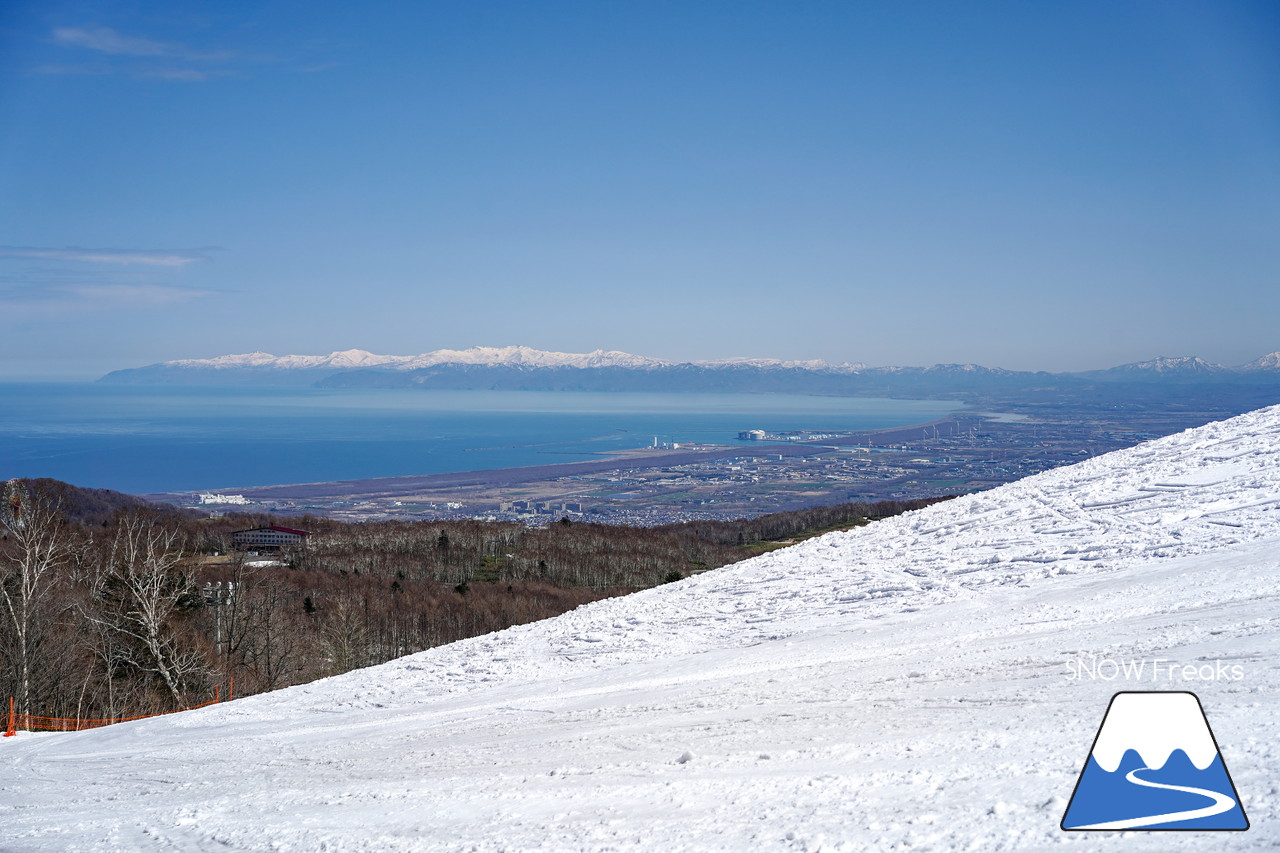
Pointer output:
x,y
143,585
345,635
273,645
35,546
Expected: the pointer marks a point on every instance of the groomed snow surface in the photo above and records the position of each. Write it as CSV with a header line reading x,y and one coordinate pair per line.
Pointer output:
x,y
904,686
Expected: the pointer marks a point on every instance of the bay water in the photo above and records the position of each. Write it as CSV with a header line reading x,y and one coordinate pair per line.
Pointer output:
x,y
145,440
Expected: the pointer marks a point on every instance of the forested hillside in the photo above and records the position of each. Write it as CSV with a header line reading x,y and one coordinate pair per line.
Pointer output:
x,y
114,607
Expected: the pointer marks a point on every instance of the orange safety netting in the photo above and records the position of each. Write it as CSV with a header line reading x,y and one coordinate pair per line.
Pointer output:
x,y
30,722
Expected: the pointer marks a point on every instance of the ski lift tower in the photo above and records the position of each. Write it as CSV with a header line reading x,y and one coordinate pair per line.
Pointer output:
x,y
218,596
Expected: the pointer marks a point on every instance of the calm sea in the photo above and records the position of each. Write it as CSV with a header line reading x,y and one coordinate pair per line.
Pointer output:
x,y
144,440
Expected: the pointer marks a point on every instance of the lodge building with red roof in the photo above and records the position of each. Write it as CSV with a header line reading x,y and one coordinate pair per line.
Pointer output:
x,y
268,538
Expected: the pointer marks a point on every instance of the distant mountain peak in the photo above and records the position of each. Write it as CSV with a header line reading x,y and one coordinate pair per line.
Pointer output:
x,y
1270,361
523,356
965,368
259,359
1174,364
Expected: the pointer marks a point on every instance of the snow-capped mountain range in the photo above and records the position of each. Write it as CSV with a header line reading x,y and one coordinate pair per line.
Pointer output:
x,y
525,368
1192,366
901,686
510,356
522,356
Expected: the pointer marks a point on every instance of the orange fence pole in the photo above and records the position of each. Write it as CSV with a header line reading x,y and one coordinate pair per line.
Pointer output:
x,y
10,731
231,690
216,691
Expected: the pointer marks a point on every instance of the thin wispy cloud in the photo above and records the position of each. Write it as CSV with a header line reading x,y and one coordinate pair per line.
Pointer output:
x,y
135,294
109,51
105,256
25,301
109,41
47,284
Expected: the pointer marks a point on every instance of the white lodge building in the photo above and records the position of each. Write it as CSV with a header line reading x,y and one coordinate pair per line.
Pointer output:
x,y
268,538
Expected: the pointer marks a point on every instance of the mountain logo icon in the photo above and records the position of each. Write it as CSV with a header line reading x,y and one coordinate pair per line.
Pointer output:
x,y
1154,765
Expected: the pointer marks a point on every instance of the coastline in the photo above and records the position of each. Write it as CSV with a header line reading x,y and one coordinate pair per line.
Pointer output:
x,y
388,488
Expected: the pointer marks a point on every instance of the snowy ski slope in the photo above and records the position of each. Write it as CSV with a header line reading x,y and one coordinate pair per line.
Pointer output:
x,y
902,686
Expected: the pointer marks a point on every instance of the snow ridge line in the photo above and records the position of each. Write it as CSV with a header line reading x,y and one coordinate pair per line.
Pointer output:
x,y
1007,536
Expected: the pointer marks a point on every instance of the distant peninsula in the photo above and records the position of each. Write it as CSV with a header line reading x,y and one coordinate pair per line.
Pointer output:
x,y
519,368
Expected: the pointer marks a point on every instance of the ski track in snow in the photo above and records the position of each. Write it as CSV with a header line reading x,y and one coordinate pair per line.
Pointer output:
x,y
899,686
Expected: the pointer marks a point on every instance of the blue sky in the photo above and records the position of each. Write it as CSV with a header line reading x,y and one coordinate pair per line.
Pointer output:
x,y
1028,185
